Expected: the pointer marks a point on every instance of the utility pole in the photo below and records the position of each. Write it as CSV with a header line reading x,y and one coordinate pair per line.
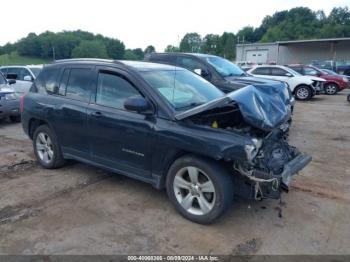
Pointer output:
x,y
53,54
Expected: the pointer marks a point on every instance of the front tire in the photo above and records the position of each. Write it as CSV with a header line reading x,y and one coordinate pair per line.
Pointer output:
x,y
331,89
200,189
46,148
303,93
349,98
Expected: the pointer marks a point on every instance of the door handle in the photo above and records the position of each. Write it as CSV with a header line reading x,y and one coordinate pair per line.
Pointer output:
x,y
96,114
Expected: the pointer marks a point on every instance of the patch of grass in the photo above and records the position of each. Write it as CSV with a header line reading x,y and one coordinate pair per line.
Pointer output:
x,y
15,59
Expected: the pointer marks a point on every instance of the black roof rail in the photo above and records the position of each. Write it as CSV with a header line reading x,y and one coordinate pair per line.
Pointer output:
x,y
86,60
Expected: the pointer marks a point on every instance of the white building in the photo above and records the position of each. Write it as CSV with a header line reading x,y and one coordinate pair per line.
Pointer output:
x,y
293,52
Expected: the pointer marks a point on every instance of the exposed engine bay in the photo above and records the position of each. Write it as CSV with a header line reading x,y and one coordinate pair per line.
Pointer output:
x,y
228,118
265,168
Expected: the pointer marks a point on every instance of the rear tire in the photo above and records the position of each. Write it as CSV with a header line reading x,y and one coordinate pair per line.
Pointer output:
x,y
46,148
200,189
303,93
15,119
331,89
349,98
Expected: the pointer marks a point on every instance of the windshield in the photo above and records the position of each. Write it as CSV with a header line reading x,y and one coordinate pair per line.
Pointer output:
x,y
224,67
2,80
35,70
181,88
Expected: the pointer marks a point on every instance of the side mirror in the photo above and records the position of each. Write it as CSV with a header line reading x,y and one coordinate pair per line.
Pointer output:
x,y
139,105
27,78
289,74
11,81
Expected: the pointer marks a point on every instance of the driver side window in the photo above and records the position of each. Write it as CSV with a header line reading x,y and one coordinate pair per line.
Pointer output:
x,y
113,90
191,65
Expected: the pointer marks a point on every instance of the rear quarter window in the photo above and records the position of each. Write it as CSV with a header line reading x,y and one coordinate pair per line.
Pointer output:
x,y
47,81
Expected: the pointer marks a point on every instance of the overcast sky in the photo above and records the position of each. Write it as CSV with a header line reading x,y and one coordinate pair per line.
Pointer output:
x,y
139,23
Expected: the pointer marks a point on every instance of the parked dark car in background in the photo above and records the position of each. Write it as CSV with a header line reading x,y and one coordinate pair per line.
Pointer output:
x,y
166,126
222,73
9,100
219,71
334,83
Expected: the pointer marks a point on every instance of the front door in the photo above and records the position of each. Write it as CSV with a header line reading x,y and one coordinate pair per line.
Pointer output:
x,y
120,139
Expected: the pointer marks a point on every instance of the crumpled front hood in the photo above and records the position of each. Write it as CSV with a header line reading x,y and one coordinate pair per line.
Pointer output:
x,y
262,106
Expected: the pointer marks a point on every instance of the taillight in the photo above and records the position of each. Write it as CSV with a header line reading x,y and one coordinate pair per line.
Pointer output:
x,y
21,104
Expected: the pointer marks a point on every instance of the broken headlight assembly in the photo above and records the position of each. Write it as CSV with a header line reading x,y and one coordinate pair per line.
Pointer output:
x,y
252,150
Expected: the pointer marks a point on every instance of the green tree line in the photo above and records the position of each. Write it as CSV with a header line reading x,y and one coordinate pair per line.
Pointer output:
x,y
294,24
73,44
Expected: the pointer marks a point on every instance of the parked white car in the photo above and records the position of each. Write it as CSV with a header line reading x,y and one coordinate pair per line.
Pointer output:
x,y
303,87
24,76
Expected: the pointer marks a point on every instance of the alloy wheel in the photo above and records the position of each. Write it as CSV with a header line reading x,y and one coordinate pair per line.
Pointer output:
x,y
194,190
44,147
302,93
331,89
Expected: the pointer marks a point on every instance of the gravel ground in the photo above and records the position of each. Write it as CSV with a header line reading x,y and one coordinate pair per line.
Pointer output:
x,y
83,210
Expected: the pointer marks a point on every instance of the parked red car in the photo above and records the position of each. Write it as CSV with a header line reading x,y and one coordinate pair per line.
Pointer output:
x,y
334,83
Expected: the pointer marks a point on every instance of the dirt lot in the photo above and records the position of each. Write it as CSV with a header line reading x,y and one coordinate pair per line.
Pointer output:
x,y
82,210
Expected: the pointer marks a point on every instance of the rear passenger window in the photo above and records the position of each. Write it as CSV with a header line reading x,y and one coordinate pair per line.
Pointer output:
x,y
78,84
113,90
261,71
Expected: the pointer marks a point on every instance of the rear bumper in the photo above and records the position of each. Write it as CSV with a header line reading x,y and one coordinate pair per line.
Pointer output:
x,y
9,108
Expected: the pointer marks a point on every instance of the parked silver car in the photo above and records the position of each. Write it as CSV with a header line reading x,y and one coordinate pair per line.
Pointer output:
x,y
24,76
9,100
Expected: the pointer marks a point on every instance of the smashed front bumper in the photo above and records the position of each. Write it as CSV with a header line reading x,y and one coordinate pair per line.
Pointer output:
x,y
269,185
318,87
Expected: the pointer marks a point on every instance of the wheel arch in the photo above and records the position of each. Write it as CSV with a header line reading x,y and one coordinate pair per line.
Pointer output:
x,y
34,123
300,85
332,82
178,154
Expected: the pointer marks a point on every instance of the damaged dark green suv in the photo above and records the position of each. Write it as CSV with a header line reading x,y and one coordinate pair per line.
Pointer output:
x,y
166,126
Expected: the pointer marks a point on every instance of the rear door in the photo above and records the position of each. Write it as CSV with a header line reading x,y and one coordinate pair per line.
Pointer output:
x,y
119,139
73,97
